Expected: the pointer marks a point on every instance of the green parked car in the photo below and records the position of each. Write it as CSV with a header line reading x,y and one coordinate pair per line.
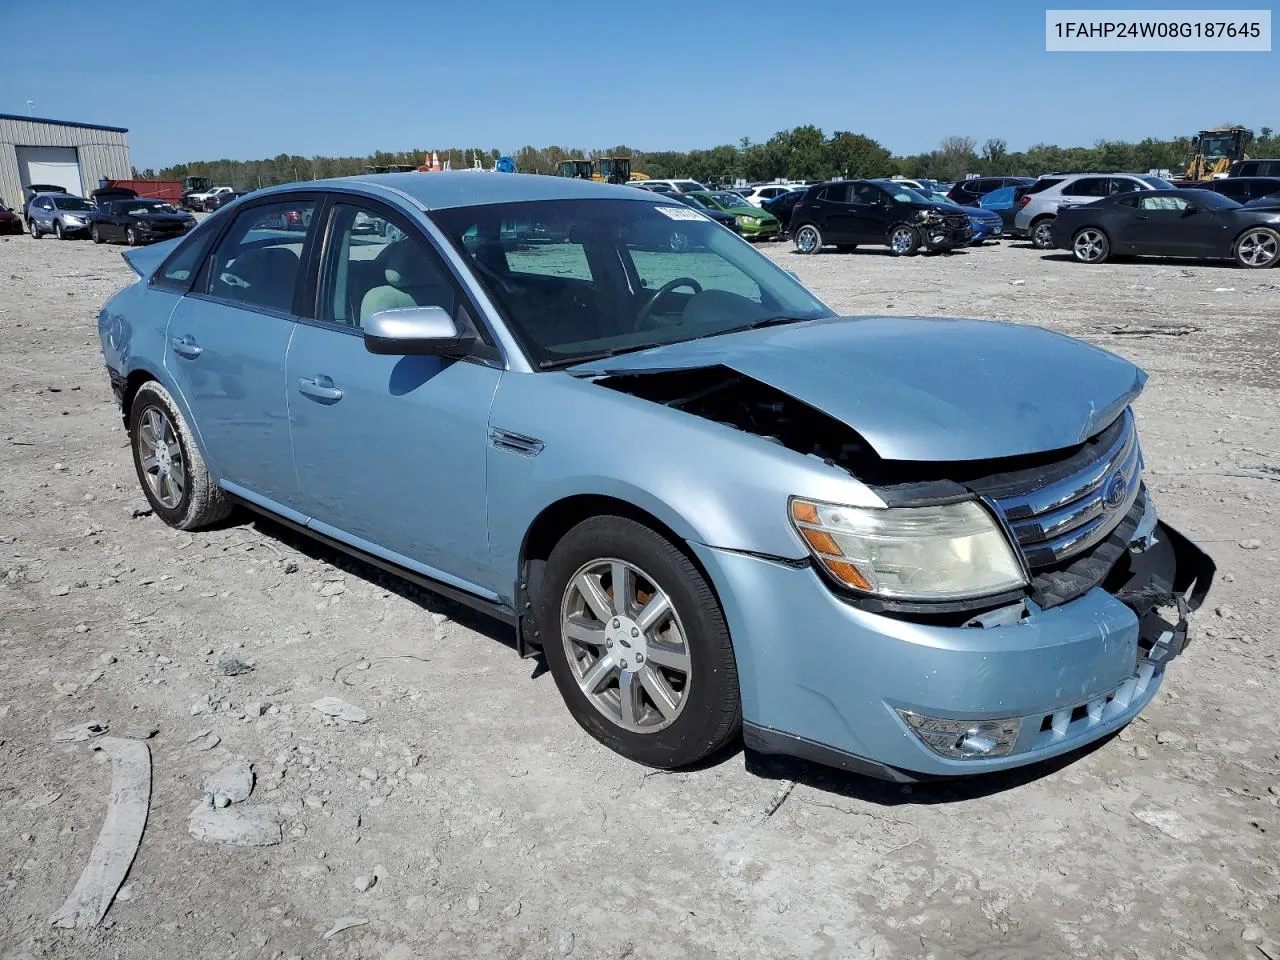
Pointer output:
x,y
753,223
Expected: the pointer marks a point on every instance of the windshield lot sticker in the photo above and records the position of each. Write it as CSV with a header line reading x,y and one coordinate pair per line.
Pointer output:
x,y
681,213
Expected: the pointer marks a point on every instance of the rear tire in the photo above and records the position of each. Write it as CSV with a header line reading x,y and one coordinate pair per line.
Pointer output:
x,y
1042,233
1257,248
199,501
1090,245
707,709
808,239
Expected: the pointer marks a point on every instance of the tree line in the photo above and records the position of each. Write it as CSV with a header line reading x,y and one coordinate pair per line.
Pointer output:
x,y
802,153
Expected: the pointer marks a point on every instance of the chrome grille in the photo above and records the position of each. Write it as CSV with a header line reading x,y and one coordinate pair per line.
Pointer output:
x,y
1068,516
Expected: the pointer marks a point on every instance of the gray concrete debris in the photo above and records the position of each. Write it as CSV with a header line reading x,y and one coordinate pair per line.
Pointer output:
x,y
140,508
1250,544
206,742
139,732
80,732
337,707
43,800
364,883
232,667
242,826
234,781
118,840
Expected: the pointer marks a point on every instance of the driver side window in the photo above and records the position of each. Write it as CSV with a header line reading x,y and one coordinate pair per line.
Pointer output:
x,y
258,262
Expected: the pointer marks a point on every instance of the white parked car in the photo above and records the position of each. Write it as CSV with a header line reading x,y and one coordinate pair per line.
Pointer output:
x,y
197,200
757,195
679,186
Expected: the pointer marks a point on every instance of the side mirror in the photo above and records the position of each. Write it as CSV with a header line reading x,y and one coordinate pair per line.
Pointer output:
x,y
421,331
1189,209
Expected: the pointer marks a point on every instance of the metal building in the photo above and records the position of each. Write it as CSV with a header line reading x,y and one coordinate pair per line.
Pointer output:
x,y
73,156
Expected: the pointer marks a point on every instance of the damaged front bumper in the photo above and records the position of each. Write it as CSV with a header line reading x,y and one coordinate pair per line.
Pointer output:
x,y
907,699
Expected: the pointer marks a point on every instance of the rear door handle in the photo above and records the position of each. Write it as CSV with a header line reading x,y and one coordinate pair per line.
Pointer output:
x,y
186,346
320,388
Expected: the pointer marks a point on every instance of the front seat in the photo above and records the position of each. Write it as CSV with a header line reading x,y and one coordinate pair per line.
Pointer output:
x,y
410,280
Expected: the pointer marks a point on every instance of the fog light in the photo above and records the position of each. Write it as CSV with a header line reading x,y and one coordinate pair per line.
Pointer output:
x,y
964,739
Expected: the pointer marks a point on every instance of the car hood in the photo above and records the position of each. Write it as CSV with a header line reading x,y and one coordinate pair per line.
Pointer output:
x,y
162,217
923,388
746,210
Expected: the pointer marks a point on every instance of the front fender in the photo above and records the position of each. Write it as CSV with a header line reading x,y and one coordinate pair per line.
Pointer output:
x,y
709,483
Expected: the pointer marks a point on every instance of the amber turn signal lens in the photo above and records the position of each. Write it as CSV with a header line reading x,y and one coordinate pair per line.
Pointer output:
x,y
846,573
821,542
805,512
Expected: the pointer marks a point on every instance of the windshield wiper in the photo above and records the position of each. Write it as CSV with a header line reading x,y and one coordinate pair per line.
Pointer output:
x,y
589,357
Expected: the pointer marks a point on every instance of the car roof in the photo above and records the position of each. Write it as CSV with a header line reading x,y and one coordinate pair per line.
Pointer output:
x,y
445,190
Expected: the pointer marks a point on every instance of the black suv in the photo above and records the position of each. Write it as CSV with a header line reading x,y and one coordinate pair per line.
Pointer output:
x,y
967,193
1255,168
1244,189
877,212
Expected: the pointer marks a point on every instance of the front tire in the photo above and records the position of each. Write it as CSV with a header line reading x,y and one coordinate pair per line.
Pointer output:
x,y
131,236
1042,234
57,230
168,462
1090,245
638,644
904,241
34,230
1257,248
808,239
96,234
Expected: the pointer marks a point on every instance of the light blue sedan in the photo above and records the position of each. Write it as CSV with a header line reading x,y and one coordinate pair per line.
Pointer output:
x,y
902,546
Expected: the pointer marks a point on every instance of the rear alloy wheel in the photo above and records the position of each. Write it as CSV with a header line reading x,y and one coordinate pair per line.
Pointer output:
x,y
1090,245
1042,234
638,644
1258,248
903,240
169,465
808,239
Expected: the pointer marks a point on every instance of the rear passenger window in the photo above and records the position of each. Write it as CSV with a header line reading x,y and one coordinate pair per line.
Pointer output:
x,y
258,262
836,193
373,265
1044,183
1087,187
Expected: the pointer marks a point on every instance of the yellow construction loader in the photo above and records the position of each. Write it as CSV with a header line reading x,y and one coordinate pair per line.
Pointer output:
x,y
1215,151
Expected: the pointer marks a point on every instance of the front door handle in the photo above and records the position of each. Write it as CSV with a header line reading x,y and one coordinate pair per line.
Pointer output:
x,y
186,346
320,388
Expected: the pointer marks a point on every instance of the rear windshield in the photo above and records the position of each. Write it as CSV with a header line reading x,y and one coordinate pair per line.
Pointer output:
x,y
1158,183
1044,183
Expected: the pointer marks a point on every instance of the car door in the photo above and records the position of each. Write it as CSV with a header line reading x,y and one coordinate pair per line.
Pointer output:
x,y
227,340
872,209
390,450
1170,225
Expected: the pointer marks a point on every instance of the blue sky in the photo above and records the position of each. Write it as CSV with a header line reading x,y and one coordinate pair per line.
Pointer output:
x,y
254,79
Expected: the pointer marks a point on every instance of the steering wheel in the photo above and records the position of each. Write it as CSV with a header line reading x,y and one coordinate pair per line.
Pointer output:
x,y
662,291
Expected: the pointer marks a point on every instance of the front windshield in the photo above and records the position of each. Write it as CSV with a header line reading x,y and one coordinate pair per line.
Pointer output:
x,y
72,203
687,185
146,206
1220,145
729,201
576,279
902,194
1158,183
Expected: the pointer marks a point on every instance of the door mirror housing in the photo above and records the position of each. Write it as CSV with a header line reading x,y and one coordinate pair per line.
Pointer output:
x,y
419,331
1190,209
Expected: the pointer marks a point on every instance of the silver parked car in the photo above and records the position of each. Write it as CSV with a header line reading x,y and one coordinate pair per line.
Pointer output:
x,y
1040,202
61,214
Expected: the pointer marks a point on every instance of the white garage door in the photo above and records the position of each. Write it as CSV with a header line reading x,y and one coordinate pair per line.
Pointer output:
x,y
52,165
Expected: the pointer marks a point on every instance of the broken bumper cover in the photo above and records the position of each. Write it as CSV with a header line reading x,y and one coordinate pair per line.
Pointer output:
x,y
827,681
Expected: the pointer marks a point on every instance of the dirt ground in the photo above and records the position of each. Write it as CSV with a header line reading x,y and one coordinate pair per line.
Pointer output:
x,y
481,821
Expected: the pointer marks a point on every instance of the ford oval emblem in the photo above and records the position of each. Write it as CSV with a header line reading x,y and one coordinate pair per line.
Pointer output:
x,y
1114,493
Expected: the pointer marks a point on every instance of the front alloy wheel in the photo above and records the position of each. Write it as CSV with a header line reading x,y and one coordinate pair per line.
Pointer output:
x,y
1258,248
637,643
808,239
1042,234
904,241
625,645
57,230
1090,245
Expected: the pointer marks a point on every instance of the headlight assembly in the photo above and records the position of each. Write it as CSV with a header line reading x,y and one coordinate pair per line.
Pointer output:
x,y
953,551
